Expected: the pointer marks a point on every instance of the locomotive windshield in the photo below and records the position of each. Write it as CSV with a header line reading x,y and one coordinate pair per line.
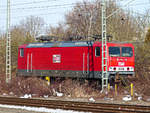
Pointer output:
x,y
127,52
114,51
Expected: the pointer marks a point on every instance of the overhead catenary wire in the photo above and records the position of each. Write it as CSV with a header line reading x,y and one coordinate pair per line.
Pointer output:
x,y
38,15
139,14
48,7
54,6
59,12
57,6
30,3
34,2
130,1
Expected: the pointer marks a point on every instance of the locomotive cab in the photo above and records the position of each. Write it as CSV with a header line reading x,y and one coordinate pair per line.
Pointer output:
x,y
121,59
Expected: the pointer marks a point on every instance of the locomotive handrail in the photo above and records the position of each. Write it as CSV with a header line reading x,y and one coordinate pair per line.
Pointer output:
x,y
83,62
88,63
28,62
31,62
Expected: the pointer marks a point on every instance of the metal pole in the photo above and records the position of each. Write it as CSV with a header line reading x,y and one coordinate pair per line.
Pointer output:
x,y
104,42
104,47
8,46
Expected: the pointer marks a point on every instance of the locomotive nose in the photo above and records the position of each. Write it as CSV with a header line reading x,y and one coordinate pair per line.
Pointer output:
x,y
124,68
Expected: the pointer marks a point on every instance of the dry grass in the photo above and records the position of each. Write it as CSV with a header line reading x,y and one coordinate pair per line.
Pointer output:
x,y
20,86
73,88
37,87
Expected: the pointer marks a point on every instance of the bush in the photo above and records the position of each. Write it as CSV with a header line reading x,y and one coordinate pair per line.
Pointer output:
x,y
142,61
32,85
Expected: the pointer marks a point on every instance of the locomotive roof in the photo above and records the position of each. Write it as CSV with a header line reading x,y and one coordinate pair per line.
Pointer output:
x,y
60,44
65,44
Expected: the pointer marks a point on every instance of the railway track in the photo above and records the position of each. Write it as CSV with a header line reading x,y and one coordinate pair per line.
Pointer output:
x,y
78,106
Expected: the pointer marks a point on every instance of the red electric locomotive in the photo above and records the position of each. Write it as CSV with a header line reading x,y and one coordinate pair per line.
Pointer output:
x,y
74,59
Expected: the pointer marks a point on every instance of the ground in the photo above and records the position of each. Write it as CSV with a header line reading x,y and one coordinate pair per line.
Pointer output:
x,y
74,90
8,110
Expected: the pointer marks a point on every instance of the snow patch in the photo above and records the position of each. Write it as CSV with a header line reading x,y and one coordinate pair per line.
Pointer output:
x,y
45,96
59,94
40,109
26,96
4,94
139,98
92,99
127,98
11,93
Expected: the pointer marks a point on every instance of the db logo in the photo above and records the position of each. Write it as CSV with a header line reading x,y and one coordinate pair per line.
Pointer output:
x,y
121,63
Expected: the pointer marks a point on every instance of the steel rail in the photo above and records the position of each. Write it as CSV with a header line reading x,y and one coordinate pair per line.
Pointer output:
x,y
76,105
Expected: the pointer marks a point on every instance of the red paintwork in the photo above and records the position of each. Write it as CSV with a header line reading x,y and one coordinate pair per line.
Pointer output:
x,y
128,61
71,58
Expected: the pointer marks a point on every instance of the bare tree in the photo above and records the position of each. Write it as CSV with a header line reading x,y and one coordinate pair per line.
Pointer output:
x,y
59,32
32,25
21,34
147,38
85,20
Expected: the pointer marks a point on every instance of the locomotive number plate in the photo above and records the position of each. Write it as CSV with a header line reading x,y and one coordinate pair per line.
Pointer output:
x,y
121,69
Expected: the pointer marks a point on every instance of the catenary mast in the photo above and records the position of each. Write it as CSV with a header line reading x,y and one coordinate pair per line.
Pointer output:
x,y
104,42
104,47
8,45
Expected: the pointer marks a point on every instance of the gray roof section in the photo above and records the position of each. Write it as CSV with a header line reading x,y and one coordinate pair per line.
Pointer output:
x,y
60,44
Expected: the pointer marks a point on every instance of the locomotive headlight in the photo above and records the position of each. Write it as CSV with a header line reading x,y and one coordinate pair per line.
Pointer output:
x,y
121,68
131,69
110,68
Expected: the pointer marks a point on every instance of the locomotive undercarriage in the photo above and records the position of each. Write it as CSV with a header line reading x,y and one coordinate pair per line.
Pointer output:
x,y
72,74
82,75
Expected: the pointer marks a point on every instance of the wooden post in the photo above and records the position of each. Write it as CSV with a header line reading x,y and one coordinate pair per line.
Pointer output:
x,y
116,93
108,87
48,80
132,89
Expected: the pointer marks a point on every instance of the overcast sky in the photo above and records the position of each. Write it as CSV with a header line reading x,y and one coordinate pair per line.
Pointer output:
x,y
52,11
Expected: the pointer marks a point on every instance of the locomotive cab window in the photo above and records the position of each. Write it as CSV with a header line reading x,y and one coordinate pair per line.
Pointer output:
x,y
114,51
127,52
21,52
97,51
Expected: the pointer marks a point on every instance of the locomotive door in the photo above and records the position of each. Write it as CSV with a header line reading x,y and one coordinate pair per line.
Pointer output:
x,y
97,61
29,62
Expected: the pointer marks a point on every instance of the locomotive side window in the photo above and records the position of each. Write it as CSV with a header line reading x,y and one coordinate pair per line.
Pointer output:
x,y
97,51
127,52
114,51
21,52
